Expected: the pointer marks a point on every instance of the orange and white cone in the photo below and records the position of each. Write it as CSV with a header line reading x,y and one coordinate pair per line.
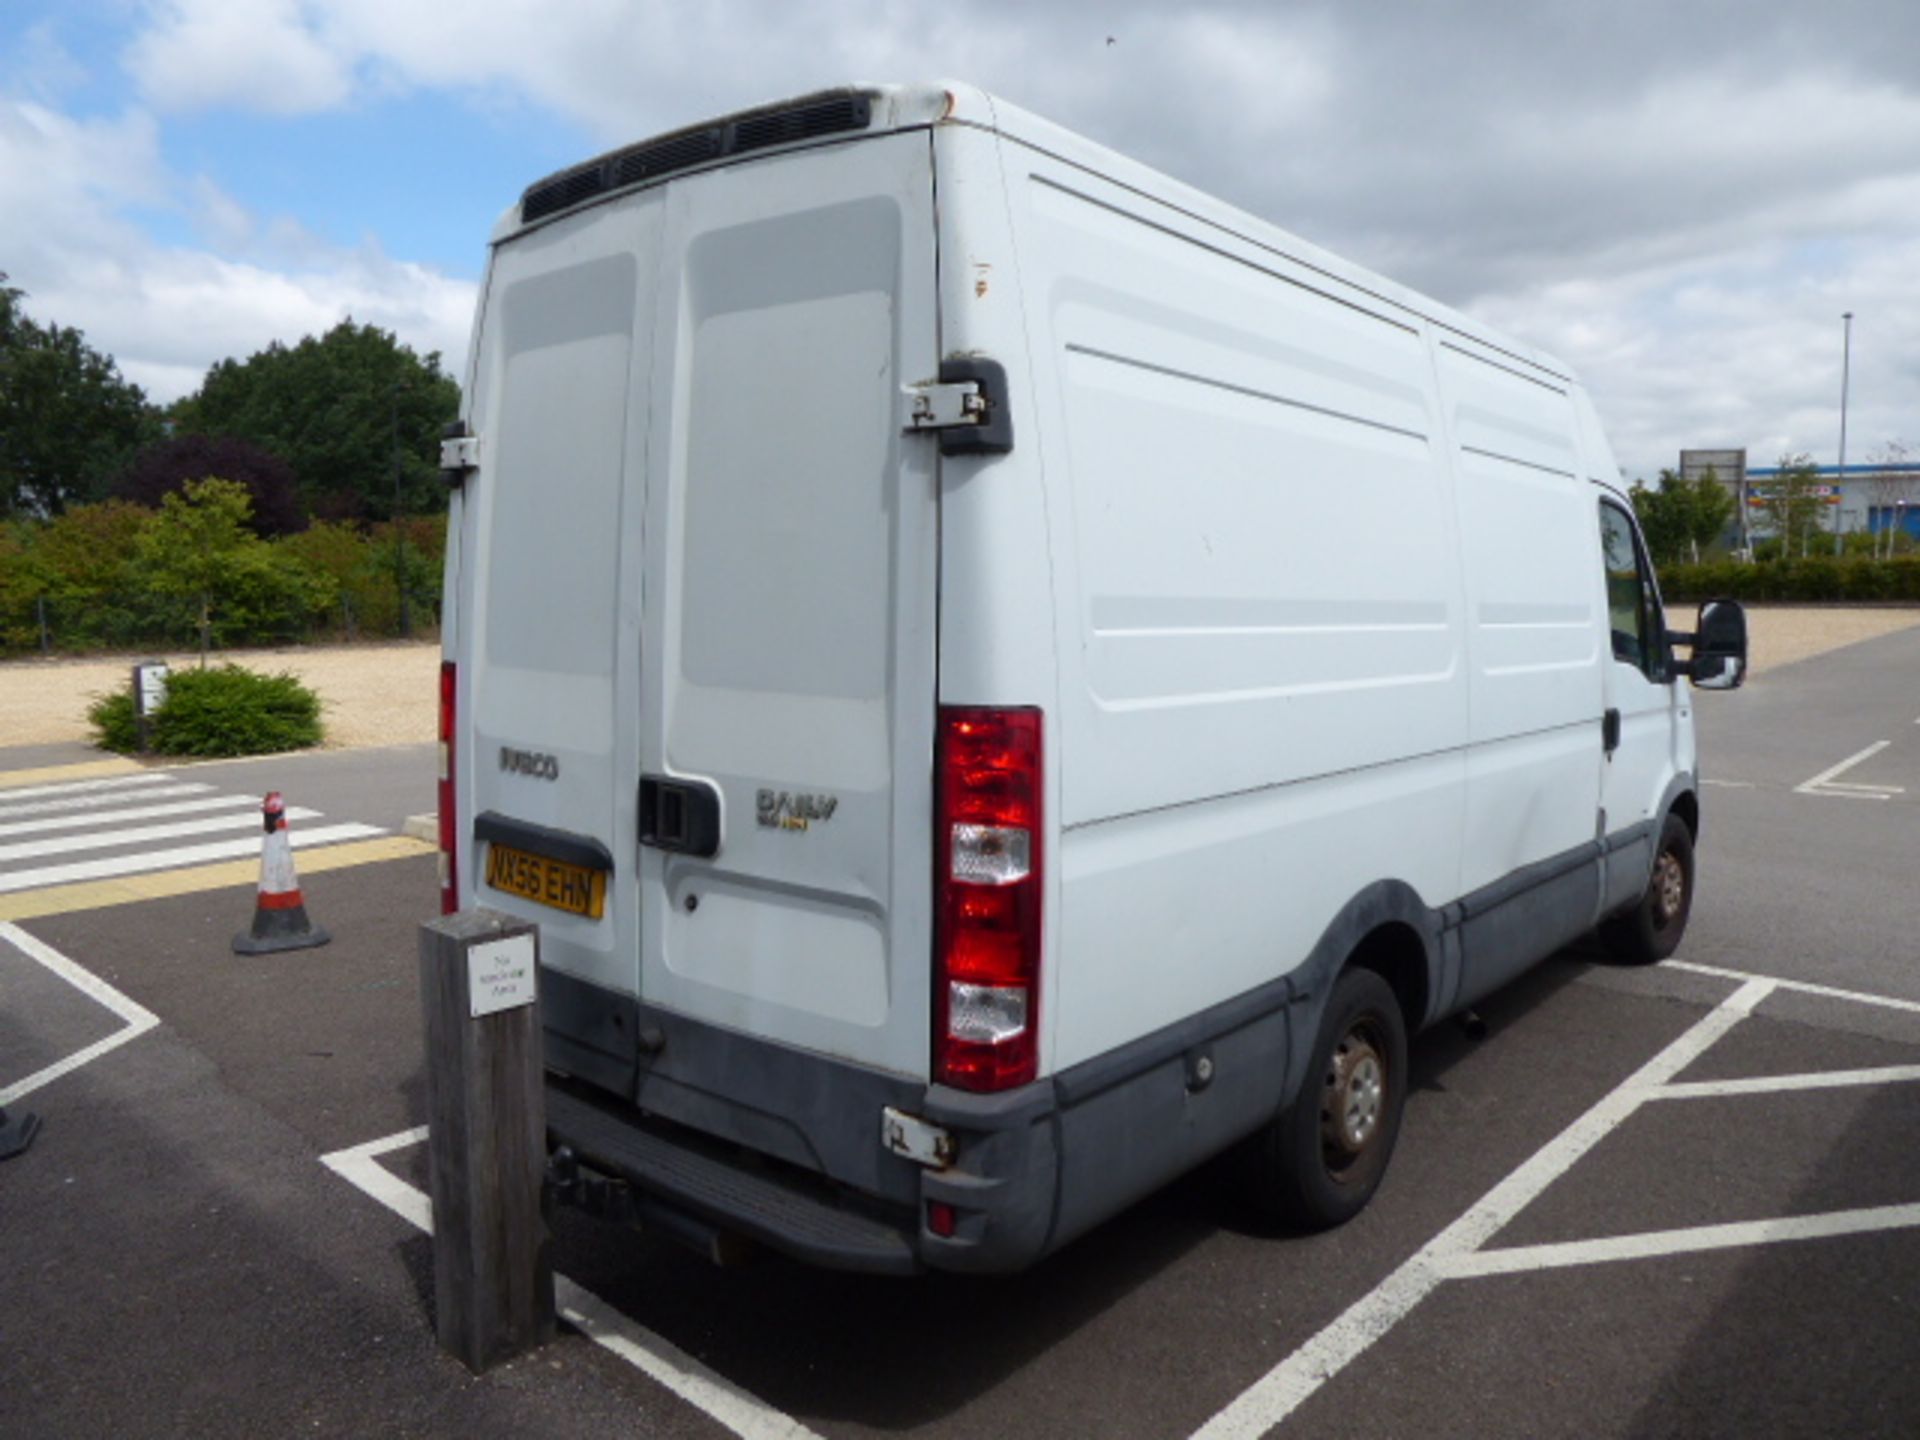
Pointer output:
x,y
279,914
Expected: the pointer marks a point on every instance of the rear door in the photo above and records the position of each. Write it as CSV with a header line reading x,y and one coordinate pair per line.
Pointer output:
x,y
786,689
560,404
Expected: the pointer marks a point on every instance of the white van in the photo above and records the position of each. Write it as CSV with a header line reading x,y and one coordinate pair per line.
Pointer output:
x,y
1000,676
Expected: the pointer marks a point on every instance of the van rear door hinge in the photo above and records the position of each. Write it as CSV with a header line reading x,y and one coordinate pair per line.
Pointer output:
x,y
967,406
459,454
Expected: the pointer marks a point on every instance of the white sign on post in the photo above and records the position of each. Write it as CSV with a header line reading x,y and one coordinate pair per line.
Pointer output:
x,y
152,686
500,975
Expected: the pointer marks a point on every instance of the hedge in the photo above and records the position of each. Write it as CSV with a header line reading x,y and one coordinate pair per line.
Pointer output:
x,y
1812,578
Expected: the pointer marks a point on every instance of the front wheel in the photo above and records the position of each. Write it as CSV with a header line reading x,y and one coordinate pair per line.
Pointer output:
x,y
1319,1161
1651,930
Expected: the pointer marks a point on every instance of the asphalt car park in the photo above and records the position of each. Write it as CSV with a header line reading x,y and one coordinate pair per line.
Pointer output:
x,y
1680,1200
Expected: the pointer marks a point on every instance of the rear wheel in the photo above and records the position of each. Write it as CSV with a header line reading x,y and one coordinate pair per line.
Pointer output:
x,y
1651,930
1319,1162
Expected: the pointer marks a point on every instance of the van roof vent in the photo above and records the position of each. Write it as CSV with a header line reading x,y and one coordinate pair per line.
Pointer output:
x,y
564,190
825,114
801,122
643,162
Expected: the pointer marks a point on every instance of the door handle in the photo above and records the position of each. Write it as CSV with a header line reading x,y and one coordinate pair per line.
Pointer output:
x,y
1610,731
680,815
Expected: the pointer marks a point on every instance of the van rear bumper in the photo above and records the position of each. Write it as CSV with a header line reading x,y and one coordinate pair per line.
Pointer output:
x,y
745,1136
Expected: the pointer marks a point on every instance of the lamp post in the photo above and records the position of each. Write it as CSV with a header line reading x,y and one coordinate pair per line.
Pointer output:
x,y
1846,366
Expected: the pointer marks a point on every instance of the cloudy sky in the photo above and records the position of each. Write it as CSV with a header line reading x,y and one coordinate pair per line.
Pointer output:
x,y
1678,198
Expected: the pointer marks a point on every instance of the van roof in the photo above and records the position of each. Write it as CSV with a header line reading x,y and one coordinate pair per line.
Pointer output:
x,y
826,116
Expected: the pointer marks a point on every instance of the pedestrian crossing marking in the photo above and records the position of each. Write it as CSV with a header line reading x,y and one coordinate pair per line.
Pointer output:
x,y
107,839
61,779
69,809
165,859
140,812
13,809
165,884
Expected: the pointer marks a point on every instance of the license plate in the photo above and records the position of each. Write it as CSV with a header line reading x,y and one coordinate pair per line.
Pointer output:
x,y
577,889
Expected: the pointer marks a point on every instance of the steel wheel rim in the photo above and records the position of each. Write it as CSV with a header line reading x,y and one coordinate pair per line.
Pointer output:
x,y
1669,888
1354,1095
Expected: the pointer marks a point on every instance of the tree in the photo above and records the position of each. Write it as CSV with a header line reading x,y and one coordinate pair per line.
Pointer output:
x,y
164,469
1792,504
1891,492
201,549
340,409
67,419
77,564
1682,515
1662,515
1710,505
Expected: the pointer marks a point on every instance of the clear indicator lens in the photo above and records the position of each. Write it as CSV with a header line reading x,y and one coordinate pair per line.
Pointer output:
x,y
991,854
986,1014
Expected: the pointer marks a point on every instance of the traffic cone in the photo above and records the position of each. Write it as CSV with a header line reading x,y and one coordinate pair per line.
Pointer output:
x,y
279,914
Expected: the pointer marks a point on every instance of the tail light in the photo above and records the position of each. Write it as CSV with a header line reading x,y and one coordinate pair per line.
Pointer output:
x,y
987,997
449,878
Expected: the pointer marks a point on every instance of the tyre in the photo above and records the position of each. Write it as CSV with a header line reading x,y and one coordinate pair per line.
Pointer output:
x,y
1319,1161
1651,930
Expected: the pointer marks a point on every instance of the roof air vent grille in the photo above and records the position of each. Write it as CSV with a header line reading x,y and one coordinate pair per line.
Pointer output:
x,y
802,122
827,114
678,152
565,190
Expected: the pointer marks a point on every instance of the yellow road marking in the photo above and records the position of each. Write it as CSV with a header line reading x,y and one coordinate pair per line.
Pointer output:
x,y
98,894
51,774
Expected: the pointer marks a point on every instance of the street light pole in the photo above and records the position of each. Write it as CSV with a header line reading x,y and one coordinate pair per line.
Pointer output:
x,y
1846,367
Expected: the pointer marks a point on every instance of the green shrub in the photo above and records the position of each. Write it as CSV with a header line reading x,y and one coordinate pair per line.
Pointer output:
x,y
227,710
113,719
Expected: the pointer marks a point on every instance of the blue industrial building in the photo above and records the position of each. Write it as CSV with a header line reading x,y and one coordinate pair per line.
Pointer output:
x,y
1872,498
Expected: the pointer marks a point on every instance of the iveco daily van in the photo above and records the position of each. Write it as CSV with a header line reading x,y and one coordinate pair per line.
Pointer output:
x,y
1000,677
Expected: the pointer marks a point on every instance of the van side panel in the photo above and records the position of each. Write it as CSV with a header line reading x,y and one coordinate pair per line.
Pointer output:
x,y
1263,701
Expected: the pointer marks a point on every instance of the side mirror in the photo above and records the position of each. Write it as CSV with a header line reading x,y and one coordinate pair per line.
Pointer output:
x,y
1719,646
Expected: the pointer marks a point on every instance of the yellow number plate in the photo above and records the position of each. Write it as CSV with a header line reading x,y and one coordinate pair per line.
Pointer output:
x,y
577,889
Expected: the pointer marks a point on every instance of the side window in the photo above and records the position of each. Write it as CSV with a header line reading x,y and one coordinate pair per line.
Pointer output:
x,y
1633,607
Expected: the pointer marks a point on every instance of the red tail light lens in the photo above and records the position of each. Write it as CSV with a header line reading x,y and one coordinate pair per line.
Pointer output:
x,y
449,879
988,865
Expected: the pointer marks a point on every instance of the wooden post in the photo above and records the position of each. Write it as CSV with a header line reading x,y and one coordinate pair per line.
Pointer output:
x,y
487,1141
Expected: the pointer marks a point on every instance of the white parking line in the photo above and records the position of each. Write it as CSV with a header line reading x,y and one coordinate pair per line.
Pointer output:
x,y
1776,1084
357,1166
1825,783
658,1358
138,1018
1283,1389
1524,1258
1460,1252
1803,987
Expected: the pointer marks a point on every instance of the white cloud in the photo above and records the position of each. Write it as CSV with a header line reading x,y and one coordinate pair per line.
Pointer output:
x,y
1677,200
265,55
166,312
